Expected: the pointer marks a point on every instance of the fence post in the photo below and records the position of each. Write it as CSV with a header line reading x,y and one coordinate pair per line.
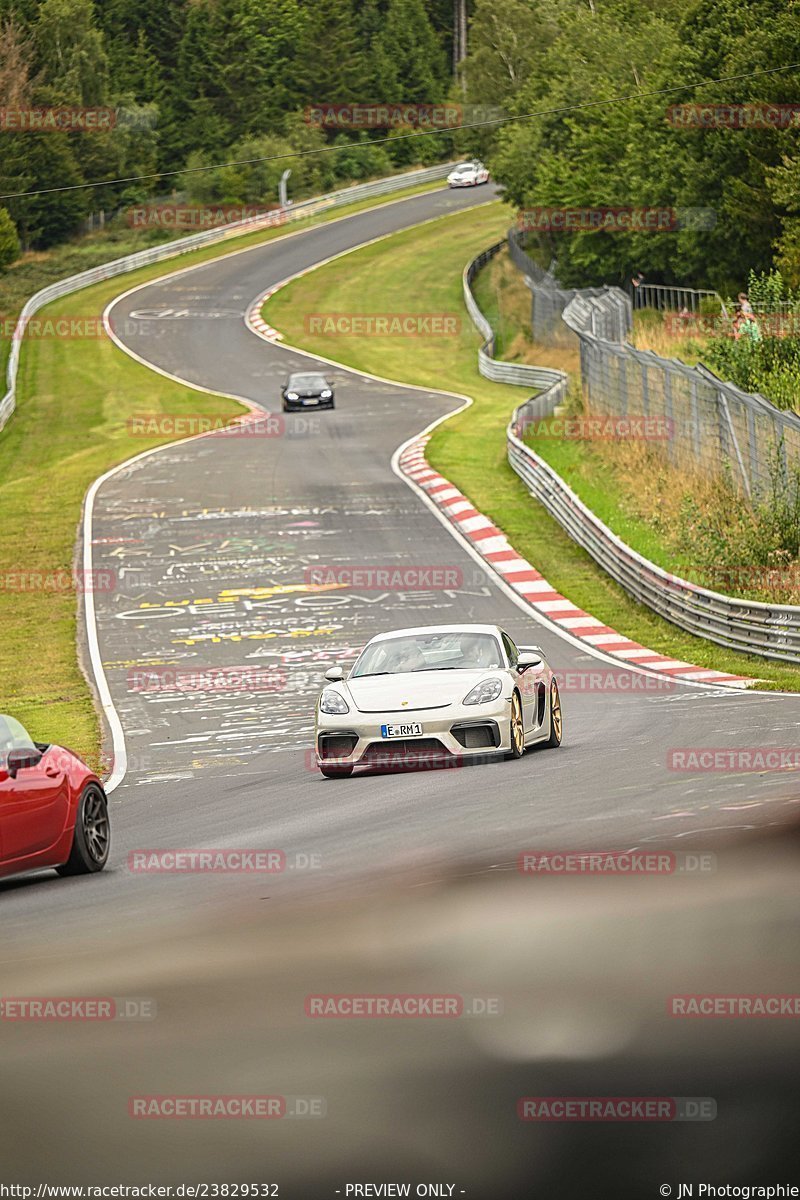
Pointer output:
x,y
586,372
724,409
668,410
695,423
622,383
755,474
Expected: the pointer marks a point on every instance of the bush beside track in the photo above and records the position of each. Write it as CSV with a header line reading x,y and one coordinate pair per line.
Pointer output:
x,y
420,270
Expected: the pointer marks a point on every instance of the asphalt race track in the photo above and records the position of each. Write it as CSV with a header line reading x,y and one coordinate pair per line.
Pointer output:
x,y
204,536
211,542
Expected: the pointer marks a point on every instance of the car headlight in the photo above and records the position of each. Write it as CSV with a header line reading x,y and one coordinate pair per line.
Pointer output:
x,y
332,702
326,395
292,396
482,693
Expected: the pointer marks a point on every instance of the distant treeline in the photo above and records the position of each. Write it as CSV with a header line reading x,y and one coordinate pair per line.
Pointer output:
x,y
726,151
176,84
198,83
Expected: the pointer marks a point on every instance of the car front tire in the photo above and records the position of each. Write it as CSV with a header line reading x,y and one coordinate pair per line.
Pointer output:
x,y
516,728
92,837
556,718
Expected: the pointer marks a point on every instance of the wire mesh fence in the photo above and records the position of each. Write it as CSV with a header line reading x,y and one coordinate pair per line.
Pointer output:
x,y
711,425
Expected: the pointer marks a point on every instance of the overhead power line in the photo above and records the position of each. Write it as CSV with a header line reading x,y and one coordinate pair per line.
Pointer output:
x,y
532,116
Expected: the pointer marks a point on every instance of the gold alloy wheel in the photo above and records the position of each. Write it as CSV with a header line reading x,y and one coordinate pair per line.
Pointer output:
x,y
517,728
556,723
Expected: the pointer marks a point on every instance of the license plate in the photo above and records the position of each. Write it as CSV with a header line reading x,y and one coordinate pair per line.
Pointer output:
x,y
315,400
402,731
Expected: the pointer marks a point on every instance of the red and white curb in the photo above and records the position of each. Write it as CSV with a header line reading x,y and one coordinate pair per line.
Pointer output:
x,y
255,320
527,582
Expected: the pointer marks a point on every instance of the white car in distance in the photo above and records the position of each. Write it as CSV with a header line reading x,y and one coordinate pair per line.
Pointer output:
x,y
468,174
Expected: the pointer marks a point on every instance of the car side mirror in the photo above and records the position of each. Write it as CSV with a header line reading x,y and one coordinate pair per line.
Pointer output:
x,y
334,674
4,776
18,760
528,659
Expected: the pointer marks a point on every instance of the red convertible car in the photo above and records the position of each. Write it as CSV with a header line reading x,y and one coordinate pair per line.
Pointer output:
x,y
53,810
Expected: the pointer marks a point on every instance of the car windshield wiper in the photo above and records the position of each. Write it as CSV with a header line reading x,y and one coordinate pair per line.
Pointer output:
x,y
466,667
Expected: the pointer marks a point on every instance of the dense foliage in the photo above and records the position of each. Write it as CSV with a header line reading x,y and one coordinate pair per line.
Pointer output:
x,y
9,241
768,363
198,82
534,55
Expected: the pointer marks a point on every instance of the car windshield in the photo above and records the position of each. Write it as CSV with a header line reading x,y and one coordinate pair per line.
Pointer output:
x,y
13,736
449,650
308,381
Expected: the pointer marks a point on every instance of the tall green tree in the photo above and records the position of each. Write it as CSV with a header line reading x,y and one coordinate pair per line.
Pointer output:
x,y
411,55
332,64
9,241
71,52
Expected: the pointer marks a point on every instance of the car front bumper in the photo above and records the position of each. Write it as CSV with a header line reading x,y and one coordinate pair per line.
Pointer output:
x,y
457,732
310,405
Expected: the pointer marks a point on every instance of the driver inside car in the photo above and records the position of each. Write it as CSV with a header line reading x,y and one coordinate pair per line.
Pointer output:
x,y
478,651
408,658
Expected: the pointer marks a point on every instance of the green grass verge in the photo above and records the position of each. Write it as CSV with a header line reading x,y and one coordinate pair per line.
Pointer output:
x,y
36,270
73,401
420,270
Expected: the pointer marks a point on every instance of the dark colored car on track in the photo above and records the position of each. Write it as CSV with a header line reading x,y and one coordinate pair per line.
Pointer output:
x,y
307,389
53,809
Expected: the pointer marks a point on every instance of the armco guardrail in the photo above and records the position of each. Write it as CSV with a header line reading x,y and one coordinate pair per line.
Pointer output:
x,y
768,630
143,258
551,384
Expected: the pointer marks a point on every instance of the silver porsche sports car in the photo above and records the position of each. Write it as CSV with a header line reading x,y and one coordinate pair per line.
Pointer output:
x,y
437,694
